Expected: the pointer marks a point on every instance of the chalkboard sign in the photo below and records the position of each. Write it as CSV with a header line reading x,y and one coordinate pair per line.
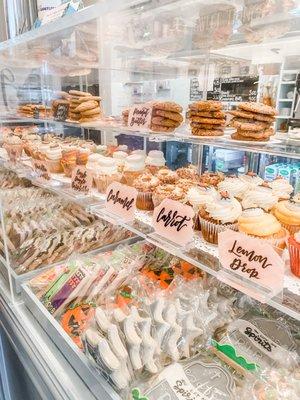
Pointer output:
x,y
61,112
235,89
195,93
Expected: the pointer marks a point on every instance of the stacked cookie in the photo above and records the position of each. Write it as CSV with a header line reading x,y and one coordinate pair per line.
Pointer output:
x,y
84,107
253,121
207,118
166,116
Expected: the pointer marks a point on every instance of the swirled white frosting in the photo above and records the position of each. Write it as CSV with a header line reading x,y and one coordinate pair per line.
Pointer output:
x,y
234,186
199,196
155,158
281,188
260,196
134,162
226,210
251,179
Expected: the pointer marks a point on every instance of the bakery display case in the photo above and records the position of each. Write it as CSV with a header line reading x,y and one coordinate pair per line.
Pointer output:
x,y
150,197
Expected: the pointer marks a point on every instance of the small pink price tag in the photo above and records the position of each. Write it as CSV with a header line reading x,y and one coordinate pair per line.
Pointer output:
x,y
41,168
140,116
253,259
121,200
174,221
81,180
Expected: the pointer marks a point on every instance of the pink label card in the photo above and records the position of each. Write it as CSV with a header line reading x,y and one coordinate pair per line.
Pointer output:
x,y
42,170
121,201
81,180
140,116
174,221
253,259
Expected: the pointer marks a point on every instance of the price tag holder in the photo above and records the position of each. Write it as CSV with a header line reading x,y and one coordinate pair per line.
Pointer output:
x,y
140,117
121,201
174,221
61,112
250,265
41,169
81,180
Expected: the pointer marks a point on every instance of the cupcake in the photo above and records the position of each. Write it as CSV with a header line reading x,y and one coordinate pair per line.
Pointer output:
x,y
82,156
68,160
166,176
101,149
212,178
288,214
258,223
261,197
106,173
145,184
120,157
189,172
168,191
294,250
234,186
53,159
155,161
251,179
281,188
139,152
134,167
198,197
217,216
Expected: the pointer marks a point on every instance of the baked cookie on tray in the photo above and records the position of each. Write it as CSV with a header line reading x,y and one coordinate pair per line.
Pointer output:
x,y
206,105
259,108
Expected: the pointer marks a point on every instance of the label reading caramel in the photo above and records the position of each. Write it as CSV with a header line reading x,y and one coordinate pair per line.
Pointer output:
x,y
252,259
140,117
81,180
174,221
42,170
121,201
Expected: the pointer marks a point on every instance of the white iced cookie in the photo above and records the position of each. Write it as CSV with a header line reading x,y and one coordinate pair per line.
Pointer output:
x,y
148,347
120,379
107,357
157,309
116,343
119,315
171,342
130,331
101,319
170,314
135,357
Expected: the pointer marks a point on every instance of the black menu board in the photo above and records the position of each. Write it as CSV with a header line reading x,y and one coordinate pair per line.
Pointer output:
x,y
234,88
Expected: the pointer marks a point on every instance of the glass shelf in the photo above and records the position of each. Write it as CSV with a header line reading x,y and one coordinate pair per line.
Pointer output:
x,y
277,146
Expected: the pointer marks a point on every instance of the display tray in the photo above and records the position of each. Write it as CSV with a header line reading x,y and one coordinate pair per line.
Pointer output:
x,y
81,364
18,280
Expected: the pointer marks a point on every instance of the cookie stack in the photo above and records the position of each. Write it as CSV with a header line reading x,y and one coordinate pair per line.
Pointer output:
x,y
166,116
207,118
84,107
253,122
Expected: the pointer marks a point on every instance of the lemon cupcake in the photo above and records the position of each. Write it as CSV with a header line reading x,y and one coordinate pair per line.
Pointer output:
x,y
288,214
258,223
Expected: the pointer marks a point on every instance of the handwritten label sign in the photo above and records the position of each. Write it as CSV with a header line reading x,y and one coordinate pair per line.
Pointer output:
x,y
81,180
36,113
140,116
41,169
174,221
61,112
252,259
121,200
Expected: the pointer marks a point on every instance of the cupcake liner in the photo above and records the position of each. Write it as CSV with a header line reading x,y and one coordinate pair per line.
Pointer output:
x,y
144,201
211,230
291,228
294,250
54,166
130,176
103,181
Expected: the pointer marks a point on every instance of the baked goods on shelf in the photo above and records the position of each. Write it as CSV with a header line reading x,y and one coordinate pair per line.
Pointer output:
x,y
84,107
253,121
207,118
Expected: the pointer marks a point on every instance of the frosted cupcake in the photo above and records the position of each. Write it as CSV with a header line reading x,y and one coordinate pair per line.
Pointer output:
x,y
120,157
260,196
256,222
288,214
168,191
106,173
155,161
217,216
134,167
198,197
145,184
53,159
251,179
234,186
281,188
166,176
294,250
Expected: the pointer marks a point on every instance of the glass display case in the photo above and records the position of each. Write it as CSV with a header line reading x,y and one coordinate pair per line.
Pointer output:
x,y
152,106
